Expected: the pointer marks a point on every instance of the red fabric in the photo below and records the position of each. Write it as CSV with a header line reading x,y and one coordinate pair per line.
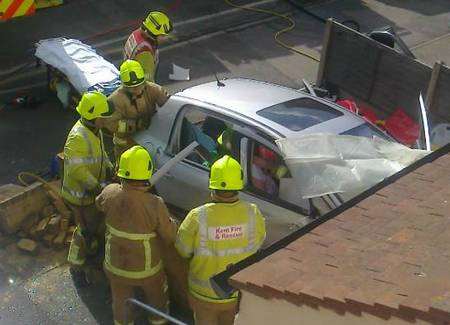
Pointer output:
x,y
266,153
348,104
364,112
368,115
138,43
402,127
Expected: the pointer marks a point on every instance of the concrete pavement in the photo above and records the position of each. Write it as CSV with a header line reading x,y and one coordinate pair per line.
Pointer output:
x,y
20,128
29,138
109,42
423,25
90,19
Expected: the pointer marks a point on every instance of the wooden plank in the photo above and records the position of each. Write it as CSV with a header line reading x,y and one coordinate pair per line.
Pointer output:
x,y
441,97
53,226
429,99
28,246
41,227
324,53
9,190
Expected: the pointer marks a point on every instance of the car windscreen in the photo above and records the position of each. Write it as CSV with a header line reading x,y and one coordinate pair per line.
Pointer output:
x,y
367,130
299,114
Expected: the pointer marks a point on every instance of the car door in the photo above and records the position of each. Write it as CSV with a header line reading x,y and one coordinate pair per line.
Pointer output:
x,y
186,185
282,217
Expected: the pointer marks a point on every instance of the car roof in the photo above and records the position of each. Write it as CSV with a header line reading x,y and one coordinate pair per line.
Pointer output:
x,y
241,94
246,97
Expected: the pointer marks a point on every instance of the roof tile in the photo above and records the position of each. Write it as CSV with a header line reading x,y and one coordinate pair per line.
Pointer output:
x,y
387,255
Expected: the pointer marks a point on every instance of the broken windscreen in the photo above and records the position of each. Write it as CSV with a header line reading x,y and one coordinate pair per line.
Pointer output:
x,y
299,114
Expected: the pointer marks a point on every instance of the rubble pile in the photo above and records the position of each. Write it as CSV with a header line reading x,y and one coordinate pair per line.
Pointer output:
x,y
36,215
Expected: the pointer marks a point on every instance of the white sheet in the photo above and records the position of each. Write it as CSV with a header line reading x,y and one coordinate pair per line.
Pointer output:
x,y
79,62
325,163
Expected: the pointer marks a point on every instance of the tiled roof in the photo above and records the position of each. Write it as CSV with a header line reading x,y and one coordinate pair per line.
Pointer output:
x,y
387,255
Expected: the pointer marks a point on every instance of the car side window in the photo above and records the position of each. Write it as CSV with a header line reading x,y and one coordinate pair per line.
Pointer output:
x,y
214,134
266,170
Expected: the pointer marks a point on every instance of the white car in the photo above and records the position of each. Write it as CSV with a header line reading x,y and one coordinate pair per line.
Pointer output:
x,y
258,113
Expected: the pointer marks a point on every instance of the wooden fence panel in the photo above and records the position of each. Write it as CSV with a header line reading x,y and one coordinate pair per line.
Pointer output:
x,y
440,103
369,71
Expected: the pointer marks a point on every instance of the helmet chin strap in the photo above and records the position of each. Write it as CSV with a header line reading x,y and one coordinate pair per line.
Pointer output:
x,y
90,124
229,197
137,183
152,37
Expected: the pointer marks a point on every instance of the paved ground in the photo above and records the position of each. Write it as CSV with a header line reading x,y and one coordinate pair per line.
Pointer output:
x,y
28,139
89,19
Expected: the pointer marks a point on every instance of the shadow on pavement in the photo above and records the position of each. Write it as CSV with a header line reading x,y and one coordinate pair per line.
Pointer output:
x,y
97,299
98,302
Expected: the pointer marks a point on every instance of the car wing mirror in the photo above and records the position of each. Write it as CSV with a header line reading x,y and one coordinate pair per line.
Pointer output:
x,y
389,37
383,37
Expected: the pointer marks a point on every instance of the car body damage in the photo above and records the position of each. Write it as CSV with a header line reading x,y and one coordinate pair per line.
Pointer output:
x,y
256,114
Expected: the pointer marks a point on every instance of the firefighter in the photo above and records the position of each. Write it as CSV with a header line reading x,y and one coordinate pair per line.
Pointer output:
x,y
134,105
225,142
86,167
263,169
137,225
142,44
216,235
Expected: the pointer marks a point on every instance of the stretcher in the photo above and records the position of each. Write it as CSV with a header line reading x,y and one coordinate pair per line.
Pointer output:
x,y
79,64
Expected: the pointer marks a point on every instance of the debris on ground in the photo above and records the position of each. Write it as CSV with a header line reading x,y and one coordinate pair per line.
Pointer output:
x,y
179,73
29,246
35,214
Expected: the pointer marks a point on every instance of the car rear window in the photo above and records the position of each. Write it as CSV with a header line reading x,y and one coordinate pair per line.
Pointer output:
x,y
299,114
367,130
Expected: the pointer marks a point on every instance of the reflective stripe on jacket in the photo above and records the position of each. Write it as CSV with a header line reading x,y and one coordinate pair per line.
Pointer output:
x,y
214,236
74,256
140,48
136,221
84,165
145,240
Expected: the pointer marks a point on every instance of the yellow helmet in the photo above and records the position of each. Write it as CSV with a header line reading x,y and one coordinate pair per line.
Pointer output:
x,y
93,105
225,139
135,164
131,73
226,174
157,23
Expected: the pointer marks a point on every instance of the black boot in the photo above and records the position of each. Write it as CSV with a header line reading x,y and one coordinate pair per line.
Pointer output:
x,y
79,278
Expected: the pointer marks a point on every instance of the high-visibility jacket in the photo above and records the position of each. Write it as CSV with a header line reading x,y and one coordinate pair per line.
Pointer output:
x,y
136,221
214,236
144,50
85,165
